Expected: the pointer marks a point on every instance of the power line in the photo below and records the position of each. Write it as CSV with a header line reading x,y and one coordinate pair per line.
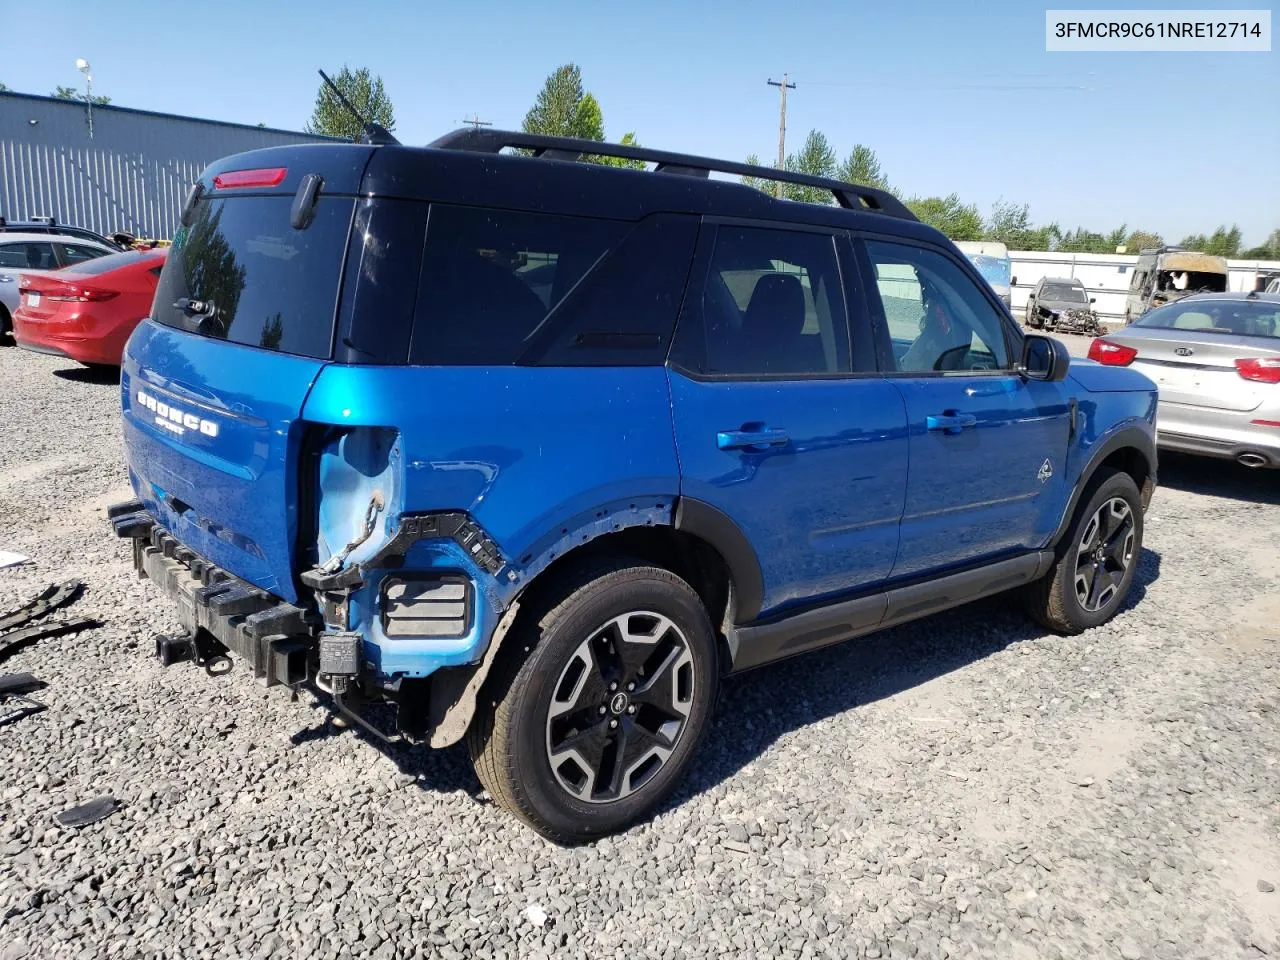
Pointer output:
x,y
476,122
783,86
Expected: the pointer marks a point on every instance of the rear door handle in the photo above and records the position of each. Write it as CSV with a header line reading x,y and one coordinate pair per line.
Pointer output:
x,y
951,422
747,439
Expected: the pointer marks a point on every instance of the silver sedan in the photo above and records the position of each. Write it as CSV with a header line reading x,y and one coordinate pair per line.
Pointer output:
x,y
1216,360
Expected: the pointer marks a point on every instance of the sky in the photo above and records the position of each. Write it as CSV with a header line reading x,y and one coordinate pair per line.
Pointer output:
x,y
953,97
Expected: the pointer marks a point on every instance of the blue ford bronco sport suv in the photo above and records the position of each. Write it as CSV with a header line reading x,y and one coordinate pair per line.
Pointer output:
x,y
533,452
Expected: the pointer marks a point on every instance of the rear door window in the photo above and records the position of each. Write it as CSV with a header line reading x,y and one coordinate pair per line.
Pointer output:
x,y
492,278
771,304
28,255
241,273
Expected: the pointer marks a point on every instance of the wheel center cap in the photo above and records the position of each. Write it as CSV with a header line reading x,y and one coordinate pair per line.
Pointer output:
x,y
618,703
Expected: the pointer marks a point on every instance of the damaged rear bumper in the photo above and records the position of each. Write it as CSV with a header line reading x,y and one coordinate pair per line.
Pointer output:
x,y
276,639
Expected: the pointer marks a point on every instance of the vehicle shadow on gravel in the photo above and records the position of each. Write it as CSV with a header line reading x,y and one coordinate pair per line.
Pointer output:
x,y
764,705
445,770
106,376
1219,478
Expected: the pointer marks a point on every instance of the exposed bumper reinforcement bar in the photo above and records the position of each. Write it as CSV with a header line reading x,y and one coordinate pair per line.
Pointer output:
x,y
274,637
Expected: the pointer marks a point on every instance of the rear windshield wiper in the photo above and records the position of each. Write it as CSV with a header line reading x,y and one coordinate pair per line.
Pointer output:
x,y
202,311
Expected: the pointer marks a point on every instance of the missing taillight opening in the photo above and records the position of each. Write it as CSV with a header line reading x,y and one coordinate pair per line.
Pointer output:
x,y
1111,354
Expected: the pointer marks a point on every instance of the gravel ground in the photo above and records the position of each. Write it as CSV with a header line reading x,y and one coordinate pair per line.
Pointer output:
x,y
963,786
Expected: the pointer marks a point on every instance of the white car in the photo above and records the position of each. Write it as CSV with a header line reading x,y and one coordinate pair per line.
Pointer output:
x,y
37,253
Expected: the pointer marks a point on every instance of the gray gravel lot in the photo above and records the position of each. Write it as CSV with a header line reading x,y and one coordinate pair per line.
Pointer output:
x,y
963,786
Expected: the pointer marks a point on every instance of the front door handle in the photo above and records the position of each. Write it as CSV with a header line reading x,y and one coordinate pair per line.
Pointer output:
x,y
759,438
951,422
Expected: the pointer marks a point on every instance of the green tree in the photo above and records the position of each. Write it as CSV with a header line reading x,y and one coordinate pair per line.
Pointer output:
x,y
3,87
1225,242
1116,238
862,166
1009,224
564,108
817,159
1046,237
628,140
757,183
1139,240
561,108
1081,240
588,119
1269,249
71,93
959,221
366,93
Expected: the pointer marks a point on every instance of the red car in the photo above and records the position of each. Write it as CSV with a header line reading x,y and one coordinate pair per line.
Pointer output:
x,y
87,311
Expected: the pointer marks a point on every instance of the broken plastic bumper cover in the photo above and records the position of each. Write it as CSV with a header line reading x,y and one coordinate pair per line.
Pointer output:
x,y
274,637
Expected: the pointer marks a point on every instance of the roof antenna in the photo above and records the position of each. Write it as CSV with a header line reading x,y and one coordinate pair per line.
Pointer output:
x,y
373,132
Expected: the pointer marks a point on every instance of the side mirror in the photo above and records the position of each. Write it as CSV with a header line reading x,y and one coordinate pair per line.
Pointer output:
x,y
1044,358
1013,281
1093,299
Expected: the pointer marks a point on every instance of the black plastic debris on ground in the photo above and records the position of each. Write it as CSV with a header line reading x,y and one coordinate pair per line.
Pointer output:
x,y
52,597
18,631
14,702
97,809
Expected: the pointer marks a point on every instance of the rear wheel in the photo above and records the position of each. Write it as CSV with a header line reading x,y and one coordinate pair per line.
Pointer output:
x,y
1096,561
601,719
6,325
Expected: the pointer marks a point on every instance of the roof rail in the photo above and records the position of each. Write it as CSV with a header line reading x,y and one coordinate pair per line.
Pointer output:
x,y
849,195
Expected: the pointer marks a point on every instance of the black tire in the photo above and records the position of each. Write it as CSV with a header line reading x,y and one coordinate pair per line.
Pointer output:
x,y
1064,600
543,703
6,326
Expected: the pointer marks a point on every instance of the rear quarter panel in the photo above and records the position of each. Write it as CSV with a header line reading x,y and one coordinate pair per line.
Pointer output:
x,y
542,459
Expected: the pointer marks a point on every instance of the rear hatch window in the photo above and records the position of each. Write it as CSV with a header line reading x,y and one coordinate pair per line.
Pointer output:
x,y
243,274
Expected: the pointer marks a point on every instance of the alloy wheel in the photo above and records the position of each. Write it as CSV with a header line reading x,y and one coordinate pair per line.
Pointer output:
x,y
1104,554
620,706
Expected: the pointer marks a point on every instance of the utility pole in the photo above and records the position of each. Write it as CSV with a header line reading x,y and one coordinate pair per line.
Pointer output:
x,y
782,86
476,122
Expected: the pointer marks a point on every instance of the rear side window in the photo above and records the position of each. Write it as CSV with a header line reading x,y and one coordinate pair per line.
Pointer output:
x,y
241,273
491,278
28,256
770,304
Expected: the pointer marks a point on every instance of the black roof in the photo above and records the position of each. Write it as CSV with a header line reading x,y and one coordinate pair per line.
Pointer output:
x,y
473,167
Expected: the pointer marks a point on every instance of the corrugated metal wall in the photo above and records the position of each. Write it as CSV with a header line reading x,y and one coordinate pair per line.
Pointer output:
x,y
133,174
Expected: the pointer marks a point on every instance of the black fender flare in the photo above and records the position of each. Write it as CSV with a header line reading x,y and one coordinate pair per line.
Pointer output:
x,y
1126,437
700,519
